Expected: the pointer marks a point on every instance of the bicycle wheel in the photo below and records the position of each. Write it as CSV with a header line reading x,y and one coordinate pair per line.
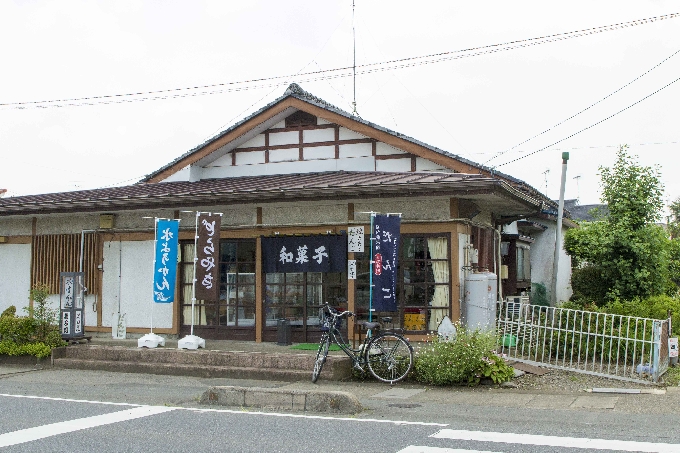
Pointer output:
x,y
321,354
389,357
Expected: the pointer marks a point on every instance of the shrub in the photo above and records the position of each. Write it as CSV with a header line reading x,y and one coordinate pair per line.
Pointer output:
x,y
10,311
45,316
465,360
17,330
11,348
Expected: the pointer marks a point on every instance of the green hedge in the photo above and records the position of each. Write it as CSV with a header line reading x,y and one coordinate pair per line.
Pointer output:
x,y
25,335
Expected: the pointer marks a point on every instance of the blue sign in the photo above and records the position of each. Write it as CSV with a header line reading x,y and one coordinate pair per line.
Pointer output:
x,y
165,261
385,252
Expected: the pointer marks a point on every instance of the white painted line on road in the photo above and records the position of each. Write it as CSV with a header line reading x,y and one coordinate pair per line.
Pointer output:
x,y
419,449
554,441
54,429
240,412
69,400
319,417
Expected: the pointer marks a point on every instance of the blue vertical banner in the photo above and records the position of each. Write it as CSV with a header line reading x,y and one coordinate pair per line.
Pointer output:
x,y
165,261
385,260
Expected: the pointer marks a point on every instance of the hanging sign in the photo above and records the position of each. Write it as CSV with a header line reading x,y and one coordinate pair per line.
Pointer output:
x,y
351,269
165,261
355,239
385,252
304,254
207,257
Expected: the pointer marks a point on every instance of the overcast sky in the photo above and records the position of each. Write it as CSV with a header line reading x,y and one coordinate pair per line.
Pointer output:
x,y
475,103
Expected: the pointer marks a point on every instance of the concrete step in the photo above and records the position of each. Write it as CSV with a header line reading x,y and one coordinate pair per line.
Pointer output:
x,y
199,363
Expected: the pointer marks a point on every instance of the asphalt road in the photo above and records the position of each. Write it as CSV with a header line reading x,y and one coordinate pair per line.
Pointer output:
x,y
70,410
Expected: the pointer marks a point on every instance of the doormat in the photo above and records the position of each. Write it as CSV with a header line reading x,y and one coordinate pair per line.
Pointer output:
x,y
314,347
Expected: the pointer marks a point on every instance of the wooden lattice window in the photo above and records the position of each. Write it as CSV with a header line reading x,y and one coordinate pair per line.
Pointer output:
x,y
56,253
300,118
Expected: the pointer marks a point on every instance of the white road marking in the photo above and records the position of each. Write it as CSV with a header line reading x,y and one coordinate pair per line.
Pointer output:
x,y
244,411
420,449
40,432
554,441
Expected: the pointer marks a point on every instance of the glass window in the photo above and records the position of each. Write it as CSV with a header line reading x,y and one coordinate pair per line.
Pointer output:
x,y
423,289
236,306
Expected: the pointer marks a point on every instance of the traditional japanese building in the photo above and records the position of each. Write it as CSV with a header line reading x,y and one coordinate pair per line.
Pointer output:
x,y
297,168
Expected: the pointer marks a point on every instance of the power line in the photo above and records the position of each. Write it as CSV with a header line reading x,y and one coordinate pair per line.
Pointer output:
x,y
326,74
585,109
591,126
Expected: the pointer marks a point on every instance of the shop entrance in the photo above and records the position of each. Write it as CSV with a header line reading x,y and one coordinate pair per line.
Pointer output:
x,y
233,315
298,297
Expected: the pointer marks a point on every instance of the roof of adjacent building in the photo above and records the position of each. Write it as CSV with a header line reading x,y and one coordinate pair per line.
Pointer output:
x,y
584,211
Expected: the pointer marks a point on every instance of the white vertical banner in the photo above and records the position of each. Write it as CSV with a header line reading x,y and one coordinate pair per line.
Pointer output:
x,y
355,239
351,269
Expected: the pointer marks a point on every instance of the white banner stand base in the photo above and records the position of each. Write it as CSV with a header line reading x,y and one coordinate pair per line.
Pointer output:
x,y
150,340
191,342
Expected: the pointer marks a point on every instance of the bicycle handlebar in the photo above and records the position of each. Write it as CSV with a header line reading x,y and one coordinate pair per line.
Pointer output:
x,y
338,314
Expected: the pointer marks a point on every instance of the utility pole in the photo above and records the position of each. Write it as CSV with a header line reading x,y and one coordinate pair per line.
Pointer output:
x,y
558,230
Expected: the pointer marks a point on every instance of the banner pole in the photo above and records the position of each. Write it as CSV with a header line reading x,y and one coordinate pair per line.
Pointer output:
x,y
155,244
370,273
193,281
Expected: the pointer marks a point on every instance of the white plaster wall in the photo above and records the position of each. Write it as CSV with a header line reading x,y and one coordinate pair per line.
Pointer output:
x,y
356,150
136,220
284,138
284,155
393,165
133,281
383,149
258,140
249,158
319,152
542,256
16,226
281,124
428,165
225,160
346,134
284,168
318,135
15,268
181,175
322,121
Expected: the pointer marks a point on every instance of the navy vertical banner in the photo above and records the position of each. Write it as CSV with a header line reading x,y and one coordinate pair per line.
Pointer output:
x,y
385,253
165,261
207,257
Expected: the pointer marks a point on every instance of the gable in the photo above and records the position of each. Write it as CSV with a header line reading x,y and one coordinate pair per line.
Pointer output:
x,y
301,133
304,143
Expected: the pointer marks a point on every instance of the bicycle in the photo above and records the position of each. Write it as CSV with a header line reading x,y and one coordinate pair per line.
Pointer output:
x,y
387,355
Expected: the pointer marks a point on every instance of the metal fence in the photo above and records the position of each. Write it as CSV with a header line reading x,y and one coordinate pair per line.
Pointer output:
x,y
616,346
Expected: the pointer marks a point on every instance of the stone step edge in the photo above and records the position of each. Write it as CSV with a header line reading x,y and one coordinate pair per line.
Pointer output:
x,y
282,399
179,369
299,362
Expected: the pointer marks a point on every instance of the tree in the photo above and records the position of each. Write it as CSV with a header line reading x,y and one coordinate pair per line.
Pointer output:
x,y
625,254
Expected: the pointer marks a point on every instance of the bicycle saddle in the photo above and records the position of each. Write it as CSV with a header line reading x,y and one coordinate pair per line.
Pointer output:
x,y
370,325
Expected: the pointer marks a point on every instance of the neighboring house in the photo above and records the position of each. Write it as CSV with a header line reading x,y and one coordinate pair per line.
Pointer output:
x,y
300,167
585,212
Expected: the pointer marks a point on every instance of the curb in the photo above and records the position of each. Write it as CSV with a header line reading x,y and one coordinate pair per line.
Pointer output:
x,y
279,399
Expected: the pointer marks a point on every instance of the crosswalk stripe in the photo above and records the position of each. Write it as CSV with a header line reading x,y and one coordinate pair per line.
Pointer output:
x,y
554,441
53,429
422,449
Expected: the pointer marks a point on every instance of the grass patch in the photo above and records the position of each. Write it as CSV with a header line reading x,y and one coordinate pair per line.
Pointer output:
x,y
672,377
313,347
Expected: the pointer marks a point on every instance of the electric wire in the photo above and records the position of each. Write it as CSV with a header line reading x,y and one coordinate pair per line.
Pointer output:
x,y
591,126
585,109
326,74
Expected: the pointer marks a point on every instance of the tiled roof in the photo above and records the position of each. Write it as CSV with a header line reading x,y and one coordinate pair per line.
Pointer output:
x,y
270,188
